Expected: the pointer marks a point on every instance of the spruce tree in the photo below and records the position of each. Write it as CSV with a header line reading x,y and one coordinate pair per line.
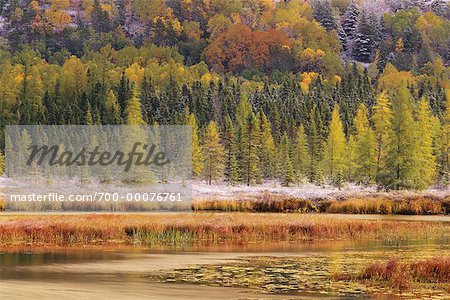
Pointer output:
x,y
349,20
267,152
231,162
366,37
315,148
300,158
348,26
124,93
285,163
250,149
213,154
323,13
335,148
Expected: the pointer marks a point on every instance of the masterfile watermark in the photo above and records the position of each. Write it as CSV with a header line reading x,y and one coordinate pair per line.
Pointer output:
x,y
146,157
107,164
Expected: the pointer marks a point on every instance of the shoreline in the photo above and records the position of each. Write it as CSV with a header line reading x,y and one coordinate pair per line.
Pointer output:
x,y
205,229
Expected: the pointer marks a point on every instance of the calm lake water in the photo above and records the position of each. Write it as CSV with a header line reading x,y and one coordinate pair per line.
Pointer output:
x,y
122,272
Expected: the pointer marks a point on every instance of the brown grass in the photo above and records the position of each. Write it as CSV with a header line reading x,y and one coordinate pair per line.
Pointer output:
x,y
411,206
229,228
265,202
419,205
401,275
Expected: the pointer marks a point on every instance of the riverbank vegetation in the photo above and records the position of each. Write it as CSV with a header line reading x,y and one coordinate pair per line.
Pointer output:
x,y
412,205
202,228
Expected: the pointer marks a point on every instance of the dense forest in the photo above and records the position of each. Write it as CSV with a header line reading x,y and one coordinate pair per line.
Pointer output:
x,y
326,91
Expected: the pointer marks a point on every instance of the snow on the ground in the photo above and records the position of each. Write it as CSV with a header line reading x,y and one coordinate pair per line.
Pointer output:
x,y
201,190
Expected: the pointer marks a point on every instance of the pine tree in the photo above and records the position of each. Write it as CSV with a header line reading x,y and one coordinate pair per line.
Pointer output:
x,y
124,93
382,117
229,142
323,13
112,109
349,20
348,26
366,37
267,152
425,151
315,148
365,157
213,153
285,162
251,143
301,154
402,152
133,111
335,148
197,156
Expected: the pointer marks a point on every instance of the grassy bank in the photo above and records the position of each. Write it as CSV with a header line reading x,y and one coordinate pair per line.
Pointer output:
x,y
416,205
202,228
404,275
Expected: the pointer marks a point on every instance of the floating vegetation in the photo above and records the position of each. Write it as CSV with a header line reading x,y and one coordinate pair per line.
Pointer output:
x,y
331,274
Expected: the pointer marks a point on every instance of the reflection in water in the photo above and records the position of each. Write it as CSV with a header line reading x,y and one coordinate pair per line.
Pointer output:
x,y
123,271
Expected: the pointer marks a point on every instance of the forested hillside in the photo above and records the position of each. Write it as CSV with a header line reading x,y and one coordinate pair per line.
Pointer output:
x,y
322,91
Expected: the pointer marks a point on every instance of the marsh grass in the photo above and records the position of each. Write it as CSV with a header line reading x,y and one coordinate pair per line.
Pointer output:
x,y
203,228
402,275
275,203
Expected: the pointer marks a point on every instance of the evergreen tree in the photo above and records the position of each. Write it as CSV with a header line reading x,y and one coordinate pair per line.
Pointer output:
x,y
365,158
323,13
231,162
402,152
286,169
197,156
315,148
349,20
426,159
124,93
366,37
267,152
335,148
301,154
213,154
251,144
